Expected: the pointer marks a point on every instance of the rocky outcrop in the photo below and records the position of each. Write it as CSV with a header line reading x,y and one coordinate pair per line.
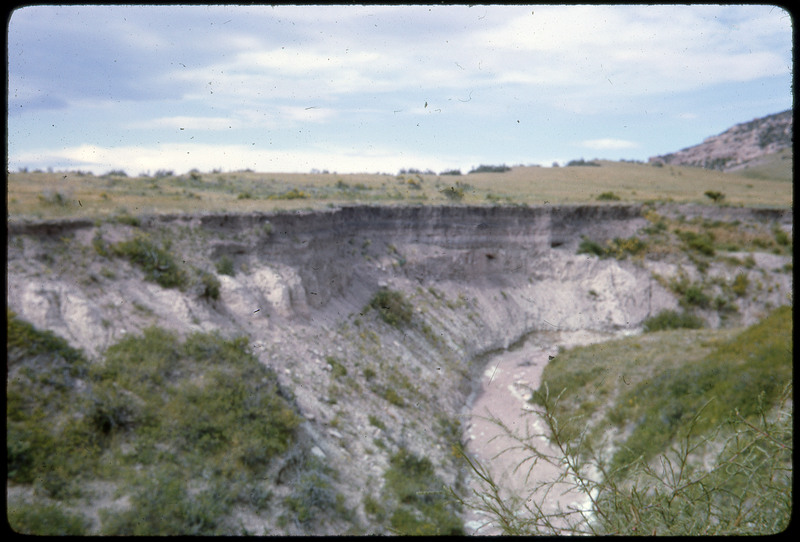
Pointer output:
x,y
738,145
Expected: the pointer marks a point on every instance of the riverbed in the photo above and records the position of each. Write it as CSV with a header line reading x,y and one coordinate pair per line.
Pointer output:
x,y
507,384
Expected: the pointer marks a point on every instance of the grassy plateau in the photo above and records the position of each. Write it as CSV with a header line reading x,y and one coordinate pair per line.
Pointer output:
x,y
76,194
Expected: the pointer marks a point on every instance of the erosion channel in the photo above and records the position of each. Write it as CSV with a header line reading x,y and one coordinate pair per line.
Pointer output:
x,y
390,330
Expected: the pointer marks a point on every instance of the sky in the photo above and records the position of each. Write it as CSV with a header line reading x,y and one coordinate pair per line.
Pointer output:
x,y
371,88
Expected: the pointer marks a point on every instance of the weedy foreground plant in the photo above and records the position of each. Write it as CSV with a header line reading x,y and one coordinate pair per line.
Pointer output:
x,y
723,465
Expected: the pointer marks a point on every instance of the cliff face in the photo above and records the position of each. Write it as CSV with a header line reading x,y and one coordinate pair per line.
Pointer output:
x,y
299,287
738,145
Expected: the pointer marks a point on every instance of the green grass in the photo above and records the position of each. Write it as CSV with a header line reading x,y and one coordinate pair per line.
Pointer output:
x,y
46,520
154,415
669,319
422,506
757,362
162,506
657,382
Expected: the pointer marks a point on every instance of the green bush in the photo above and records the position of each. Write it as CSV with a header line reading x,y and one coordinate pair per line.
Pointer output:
x,y
695,297
587,246
162,506
203,408
740,284
701,242
24,340
781,237
608,196
423,508
618,248
393,307
490,169
312,495
582,162
45,520
156,261
621,248
209,285
225,266
669,319
454,193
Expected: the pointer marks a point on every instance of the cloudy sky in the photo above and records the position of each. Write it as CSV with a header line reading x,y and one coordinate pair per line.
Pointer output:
x,y
378,88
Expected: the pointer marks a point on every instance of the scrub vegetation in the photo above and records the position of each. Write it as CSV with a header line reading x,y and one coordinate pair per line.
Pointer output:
x,y
185,429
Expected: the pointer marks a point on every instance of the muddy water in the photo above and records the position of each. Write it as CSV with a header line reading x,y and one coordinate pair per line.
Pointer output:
x,y
507,384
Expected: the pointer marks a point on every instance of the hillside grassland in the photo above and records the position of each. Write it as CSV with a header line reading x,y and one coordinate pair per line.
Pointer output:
x,y
75,194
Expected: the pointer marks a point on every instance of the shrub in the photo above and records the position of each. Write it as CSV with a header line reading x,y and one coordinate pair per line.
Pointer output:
x,y
669,319
235,405
156,261
696,297
714,195
24,340
209,285
608,196
740,284
701,242
162,506
225,266
392,306
582,162
294,193
491,169
337,369
781,237
587,246
58,198
620,248
454,193
313,495
423,508
45,520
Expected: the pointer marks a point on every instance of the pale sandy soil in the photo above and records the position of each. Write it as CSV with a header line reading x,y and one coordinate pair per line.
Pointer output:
x,y
507,383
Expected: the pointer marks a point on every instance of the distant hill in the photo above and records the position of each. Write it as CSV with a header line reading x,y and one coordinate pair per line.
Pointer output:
x,y
744,144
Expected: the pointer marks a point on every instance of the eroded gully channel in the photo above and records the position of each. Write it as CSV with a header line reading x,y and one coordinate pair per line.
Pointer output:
x,y
503,397
504,258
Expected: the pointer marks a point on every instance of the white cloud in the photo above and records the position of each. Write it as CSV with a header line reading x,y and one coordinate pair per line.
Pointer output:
x,y
638,49
187,123
182,158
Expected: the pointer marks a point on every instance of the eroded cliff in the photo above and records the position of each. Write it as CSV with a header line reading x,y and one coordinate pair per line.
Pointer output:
x,y
301,286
